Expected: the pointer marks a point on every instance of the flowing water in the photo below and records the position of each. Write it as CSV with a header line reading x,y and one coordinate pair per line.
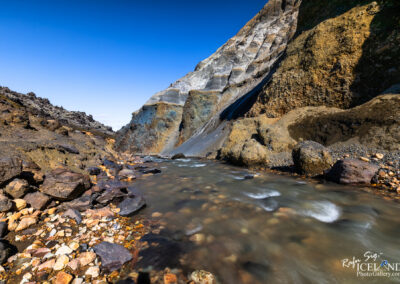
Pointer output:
x,y
270,228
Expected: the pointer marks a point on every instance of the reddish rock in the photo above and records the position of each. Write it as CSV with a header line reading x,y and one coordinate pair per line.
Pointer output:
x,y
37,200
63,278
63,184
17,188
352,171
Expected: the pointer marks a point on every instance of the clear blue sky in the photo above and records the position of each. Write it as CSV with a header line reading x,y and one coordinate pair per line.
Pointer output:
x,y
108,57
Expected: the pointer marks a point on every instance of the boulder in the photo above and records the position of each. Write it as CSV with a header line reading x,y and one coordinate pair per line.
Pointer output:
x,y
131,205
81,204
3,229
311,158
6,250
9,168
37,200
178,156
113,256
5,203
17,188
352,171
63,184
127,173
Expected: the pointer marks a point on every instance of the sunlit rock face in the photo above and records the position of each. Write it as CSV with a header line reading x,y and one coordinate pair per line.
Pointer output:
x,y
190,116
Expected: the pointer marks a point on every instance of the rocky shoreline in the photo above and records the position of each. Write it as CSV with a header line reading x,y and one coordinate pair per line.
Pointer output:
x,y
76,228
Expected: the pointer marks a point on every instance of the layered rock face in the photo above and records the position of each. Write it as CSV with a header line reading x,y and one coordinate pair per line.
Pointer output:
x,y
344,54
192,106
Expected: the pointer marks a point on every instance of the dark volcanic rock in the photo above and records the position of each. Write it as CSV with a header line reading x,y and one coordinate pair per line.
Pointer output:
x,y
5,203
68,149
94,171
73,214
63,184
131,205
113,256
81,204
37,200
3,229
9,168
151,171
311,158
6,250
178,156
17,188
351,171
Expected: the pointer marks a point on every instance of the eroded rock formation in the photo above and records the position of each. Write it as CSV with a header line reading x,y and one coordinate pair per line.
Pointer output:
x,y
193,104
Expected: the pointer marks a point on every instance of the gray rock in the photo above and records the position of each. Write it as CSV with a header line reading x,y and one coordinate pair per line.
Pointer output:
x,y
126,173
178,156
82,203
352,171
9,168
311,158
5,203
73,214
63,184
3,229
131,205
113,256
17,188
6,250
37,200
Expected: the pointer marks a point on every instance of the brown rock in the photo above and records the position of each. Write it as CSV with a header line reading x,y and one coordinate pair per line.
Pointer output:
x,y
5,203
48,265
63,184
86,258
311,158
37,200
17,188
352,171
62,278
25,223
170,278
9,168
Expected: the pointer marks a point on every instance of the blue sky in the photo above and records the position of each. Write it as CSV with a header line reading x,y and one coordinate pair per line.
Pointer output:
x,y
108,57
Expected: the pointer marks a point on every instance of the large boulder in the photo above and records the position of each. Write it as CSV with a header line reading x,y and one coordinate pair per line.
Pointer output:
x,y
311,158
37,200
17,188
352,171
112,256
63,184
9,168
131,205
6,250
5,203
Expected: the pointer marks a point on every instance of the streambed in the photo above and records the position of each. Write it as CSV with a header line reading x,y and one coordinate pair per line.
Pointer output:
x,y
248,227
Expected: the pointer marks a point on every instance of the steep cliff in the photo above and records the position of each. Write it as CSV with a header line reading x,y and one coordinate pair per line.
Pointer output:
x,y
344,54
192,105
245,101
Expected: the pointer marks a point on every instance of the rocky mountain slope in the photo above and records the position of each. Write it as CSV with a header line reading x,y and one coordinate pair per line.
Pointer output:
x,y
35,131
342,55
191,106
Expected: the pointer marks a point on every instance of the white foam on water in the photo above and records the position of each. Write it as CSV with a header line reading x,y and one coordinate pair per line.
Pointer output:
x,y
323,211
262,195
198,165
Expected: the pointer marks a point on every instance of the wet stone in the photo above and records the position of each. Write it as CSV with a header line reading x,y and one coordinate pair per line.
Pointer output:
x,y
113,256
131,205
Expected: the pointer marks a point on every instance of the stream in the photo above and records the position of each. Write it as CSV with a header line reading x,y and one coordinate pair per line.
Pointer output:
x,y
249,227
